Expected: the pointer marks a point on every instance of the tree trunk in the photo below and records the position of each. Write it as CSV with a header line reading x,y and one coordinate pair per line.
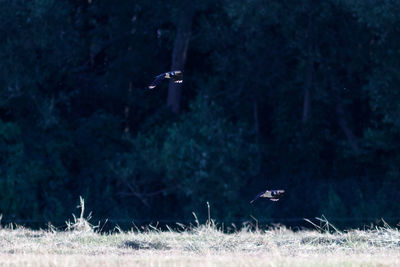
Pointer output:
x,y
256,120
127,109
183,32
307,90
341,117
308,76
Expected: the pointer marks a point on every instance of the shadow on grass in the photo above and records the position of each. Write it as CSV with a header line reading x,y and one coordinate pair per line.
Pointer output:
x,y
136,244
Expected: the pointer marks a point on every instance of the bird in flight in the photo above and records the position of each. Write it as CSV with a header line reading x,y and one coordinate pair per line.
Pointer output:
x,y
176,76
273,195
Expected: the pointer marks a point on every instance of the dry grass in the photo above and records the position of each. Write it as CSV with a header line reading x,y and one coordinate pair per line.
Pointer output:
x,y
203,245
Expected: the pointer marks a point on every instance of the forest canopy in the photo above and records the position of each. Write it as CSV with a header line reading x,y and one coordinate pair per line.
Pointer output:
x,y
296,95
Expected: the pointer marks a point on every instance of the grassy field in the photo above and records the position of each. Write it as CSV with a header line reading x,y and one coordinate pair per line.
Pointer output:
x,y
201,245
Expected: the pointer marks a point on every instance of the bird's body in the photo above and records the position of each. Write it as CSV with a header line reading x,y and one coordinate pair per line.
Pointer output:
x,y
273,195
175,75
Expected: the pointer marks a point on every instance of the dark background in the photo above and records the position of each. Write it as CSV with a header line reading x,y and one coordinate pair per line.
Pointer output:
x,y
295,95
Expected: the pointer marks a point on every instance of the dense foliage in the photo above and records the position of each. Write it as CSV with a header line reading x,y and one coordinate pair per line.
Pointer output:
x,y
298,95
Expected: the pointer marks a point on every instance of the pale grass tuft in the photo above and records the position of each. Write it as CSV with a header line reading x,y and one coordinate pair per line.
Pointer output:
x,y
80,224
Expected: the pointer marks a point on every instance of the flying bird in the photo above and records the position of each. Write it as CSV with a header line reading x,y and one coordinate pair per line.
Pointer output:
x,y
273,195
176,76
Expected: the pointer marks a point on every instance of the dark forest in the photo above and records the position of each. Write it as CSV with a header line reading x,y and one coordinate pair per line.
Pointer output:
x,y
302,96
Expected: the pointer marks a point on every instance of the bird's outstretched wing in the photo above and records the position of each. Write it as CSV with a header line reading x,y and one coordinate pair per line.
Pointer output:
x,y
157,80
259,195
175,75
